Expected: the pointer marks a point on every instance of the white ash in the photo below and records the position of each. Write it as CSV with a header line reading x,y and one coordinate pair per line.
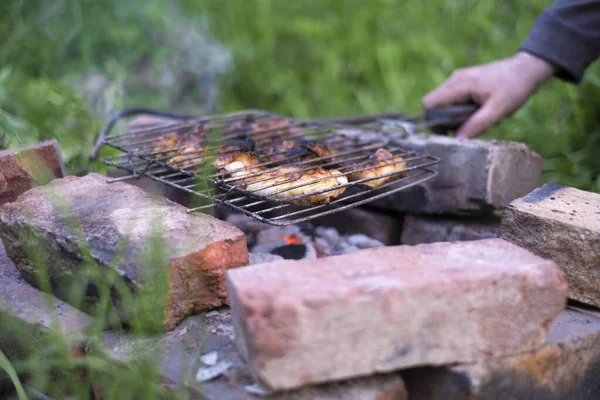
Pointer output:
x,y
207,373
210,358
320,241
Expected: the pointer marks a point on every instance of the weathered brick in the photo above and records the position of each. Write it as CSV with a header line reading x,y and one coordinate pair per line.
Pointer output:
x,y
173,262
178,357
561,224
27,315
388,308
25,167
566,367
418,229
474,176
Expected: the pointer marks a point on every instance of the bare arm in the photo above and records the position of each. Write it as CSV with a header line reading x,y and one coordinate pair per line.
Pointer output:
x,y
564,42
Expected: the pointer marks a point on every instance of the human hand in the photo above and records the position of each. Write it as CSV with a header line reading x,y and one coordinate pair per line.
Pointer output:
x,y
500,88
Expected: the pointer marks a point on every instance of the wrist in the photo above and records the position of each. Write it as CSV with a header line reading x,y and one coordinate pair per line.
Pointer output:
x,y
537,68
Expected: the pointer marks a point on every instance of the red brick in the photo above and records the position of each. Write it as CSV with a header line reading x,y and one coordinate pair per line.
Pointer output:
x,y
383,309
565,367
25,167
187,278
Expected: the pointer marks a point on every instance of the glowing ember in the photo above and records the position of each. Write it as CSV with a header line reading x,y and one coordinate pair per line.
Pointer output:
x,y
293,239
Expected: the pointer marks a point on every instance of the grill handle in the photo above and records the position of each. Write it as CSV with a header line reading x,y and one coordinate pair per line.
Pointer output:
x,y
127,112
442,120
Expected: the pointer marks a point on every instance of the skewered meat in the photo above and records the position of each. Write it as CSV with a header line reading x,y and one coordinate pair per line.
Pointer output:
x,y
281,184
382,162
295,150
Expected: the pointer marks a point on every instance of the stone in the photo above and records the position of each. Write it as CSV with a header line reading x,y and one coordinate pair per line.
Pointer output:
x,y
29,166
562,224
474,176
160,262
27,315
178,356
419,229
388,308
565,367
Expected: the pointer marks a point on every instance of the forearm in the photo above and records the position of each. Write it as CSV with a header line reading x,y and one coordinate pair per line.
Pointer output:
x,y
567,35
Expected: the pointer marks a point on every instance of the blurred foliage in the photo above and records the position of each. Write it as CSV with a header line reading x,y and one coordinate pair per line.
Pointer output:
x,y
315,58
323,58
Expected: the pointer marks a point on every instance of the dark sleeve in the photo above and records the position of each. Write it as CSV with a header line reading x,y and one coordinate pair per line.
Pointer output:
x,y
567,35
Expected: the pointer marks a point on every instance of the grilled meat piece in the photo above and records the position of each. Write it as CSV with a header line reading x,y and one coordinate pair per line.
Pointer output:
x,y
281,184
382,162
181,149
295,150
235,159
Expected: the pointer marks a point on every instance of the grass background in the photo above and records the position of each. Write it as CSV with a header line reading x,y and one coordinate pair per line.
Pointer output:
x,y
311,58
65,65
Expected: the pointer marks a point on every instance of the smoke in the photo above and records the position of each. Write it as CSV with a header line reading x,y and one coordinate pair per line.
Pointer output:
x,y
180,73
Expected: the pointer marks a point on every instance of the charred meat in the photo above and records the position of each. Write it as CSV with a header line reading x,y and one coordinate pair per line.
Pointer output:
x,y
295,150
181,149
286,183
381,163
237,158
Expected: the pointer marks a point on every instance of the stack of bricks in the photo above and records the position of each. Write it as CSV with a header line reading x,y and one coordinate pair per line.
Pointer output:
x,y
460,319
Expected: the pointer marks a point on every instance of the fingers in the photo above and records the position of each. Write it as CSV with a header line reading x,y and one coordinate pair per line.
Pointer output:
x,y
489,114
459,88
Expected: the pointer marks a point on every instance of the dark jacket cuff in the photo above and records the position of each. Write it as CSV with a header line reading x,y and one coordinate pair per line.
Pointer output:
x,y
560,45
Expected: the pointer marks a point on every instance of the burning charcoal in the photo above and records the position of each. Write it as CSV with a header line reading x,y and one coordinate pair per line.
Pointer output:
x,y
311,321
330,234
322,246
419,229
261,258
159,262
280,233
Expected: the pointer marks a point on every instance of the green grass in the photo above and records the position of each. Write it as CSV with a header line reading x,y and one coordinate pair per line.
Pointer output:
x,y
307,59
324,58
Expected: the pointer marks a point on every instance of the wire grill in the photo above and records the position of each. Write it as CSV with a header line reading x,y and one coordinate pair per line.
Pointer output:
x,y
276,188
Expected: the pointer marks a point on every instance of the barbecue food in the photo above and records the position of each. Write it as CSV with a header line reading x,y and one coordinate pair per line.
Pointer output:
x,y
236,159
281,184
181,149
295,150
381,163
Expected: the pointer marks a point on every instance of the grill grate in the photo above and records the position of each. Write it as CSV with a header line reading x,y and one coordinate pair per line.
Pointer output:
x,y
286,182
